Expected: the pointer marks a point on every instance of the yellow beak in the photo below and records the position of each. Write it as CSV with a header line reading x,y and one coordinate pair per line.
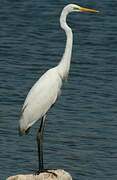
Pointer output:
x,y
89,10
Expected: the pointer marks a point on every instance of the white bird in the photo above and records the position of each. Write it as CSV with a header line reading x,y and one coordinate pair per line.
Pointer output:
x,y
46,90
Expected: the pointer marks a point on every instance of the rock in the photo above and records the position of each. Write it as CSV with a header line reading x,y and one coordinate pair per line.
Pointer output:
x,y
58,174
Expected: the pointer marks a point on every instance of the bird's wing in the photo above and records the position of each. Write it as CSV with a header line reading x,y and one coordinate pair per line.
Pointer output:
x,y
40,98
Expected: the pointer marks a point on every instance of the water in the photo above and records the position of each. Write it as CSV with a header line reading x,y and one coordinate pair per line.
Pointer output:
x,y
80,134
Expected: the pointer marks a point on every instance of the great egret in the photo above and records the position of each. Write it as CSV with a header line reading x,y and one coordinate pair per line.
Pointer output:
x,y
46,90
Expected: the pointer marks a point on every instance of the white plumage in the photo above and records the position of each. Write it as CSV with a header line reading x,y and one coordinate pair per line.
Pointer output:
x,y
46,90
40,98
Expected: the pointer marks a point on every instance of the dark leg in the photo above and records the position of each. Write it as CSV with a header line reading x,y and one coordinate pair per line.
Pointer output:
x,y
40,144
40,147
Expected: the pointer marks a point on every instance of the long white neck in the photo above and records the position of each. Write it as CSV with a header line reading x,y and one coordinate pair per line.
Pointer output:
x,y
64,65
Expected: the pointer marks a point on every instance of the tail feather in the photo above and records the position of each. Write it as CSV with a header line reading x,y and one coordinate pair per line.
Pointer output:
x,y
23,131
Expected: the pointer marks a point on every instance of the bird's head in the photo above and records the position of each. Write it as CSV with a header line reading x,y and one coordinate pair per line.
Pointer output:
x,y
73,7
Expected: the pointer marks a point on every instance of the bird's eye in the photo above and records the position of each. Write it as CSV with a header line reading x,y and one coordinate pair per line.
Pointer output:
x,y
76,8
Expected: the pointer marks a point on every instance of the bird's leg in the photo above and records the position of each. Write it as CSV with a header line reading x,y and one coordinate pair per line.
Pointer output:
x,y
40,147
40,144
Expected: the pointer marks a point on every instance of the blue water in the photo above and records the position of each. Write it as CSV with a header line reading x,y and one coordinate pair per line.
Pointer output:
x,y
81,130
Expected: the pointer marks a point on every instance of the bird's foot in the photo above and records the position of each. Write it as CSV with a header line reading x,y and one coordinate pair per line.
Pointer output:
x,y
45,171
40,171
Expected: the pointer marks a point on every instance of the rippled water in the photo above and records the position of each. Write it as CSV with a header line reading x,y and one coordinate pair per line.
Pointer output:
x,y
81,131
